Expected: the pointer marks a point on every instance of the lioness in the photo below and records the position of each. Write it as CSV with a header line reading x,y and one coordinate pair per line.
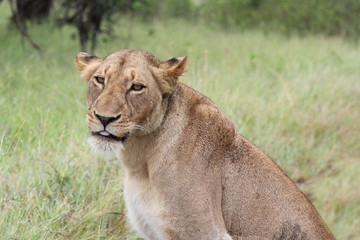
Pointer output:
x,y
188,173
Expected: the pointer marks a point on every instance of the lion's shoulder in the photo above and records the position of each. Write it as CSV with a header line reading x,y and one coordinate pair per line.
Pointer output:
x,y
205,117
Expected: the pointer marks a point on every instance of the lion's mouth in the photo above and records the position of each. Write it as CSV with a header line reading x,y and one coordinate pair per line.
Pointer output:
x,y
106,134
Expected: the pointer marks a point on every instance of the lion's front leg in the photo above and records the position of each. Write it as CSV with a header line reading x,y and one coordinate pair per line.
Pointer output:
x,y
193,208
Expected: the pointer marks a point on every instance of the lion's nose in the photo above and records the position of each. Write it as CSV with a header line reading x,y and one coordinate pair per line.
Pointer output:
x,y
106,120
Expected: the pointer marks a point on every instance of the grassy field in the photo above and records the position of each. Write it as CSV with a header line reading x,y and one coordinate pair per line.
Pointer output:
x,y
297,99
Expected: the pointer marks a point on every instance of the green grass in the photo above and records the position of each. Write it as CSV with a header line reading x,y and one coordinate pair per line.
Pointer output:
x,y
298,99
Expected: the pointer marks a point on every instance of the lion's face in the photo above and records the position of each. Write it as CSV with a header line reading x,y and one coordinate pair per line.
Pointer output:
x,y
126,95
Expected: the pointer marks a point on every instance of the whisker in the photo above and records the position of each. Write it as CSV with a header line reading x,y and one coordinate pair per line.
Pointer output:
x,y
141,128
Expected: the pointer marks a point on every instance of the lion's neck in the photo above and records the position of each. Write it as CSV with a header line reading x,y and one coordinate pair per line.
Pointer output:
x,y
142,155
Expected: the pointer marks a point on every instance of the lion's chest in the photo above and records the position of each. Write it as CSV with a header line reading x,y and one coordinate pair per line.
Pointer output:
x,y
144,207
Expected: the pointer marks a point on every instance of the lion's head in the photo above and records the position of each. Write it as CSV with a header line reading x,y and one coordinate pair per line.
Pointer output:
x,y
126,94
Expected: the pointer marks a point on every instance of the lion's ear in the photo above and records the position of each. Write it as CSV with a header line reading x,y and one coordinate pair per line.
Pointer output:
x,y
87,64
171,70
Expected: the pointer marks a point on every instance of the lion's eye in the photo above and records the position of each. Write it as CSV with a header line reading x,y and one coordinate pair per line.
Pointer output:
x,y
137,87
100,80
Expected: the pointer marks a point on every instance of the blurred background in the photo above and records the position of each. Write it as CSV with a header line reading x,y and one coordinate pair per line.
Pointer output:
x,y
286,72
99,17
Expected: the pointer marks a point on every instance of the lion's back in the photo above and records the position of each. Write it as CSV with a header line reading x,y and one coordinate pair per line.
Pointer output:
x,y
259,199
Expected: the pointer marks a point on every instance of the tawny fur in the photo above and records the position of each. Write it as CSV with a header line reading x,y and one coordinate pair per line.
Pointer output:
x,y
188,173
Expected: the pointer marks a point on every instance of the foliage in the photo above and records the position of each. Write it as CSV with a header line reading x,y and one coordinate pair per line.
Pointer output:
x,y
28,10
150,9
87,17
335,17
90,16
94,17
32,10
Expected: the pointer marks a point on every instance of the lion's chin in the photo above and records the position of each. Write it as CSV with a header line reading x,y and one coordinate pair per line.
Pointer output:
x,y
104,145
